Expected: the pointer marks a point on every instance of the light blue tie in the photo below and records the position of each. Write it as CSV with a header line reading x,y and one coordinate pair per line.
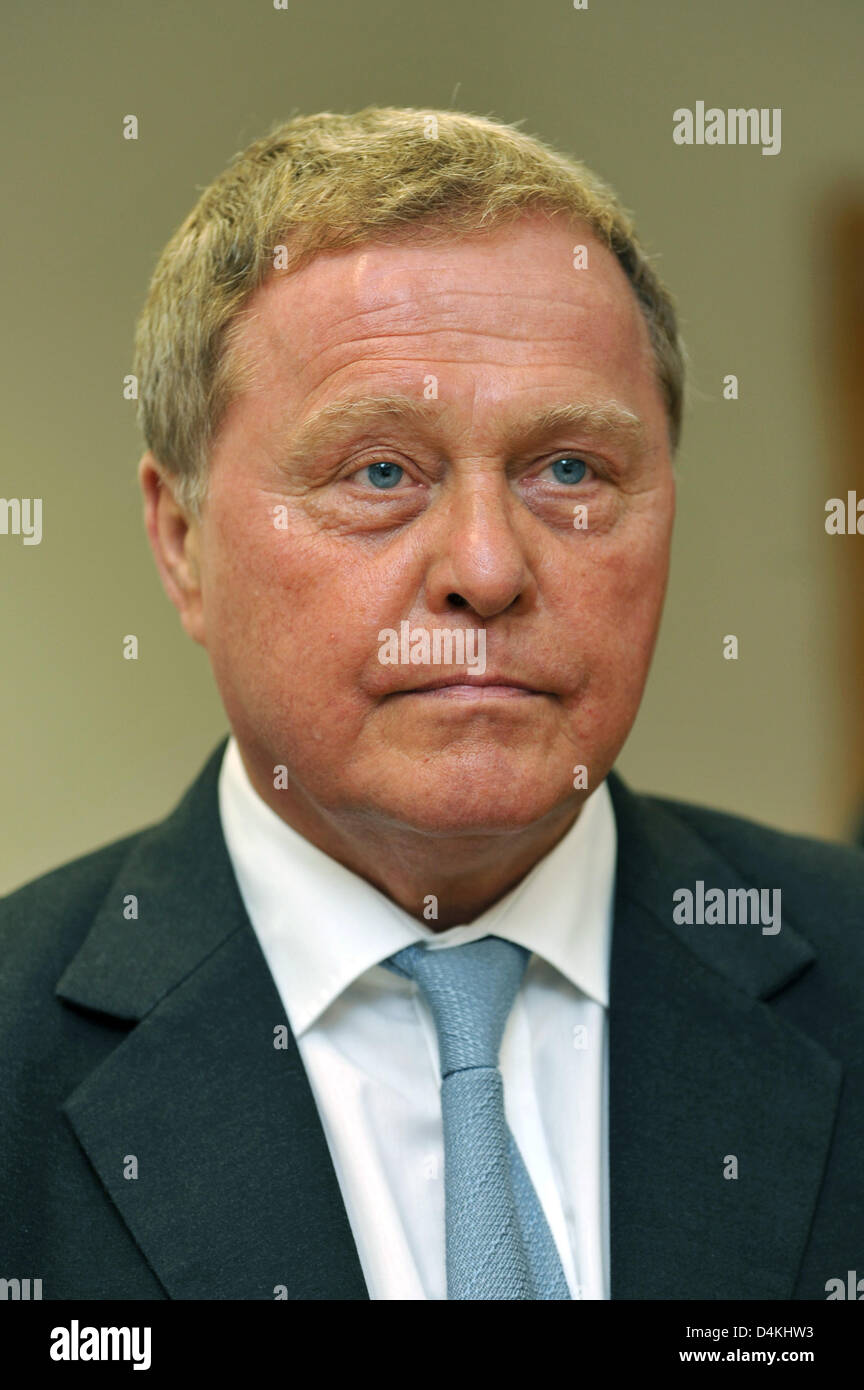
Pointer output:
x,y
498,1241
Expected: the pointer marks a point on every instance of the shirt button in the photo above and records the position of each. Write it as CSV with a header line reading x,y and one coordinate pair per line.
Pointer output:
x,y
430,1167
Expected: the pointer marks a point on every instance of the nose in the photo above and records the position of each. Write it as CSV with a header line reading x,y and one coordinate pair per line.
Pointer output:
x,y
479,558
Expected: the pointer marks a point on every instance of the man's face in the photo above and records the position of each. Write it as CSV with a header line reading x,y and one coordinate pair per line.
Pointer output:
x,y
316,537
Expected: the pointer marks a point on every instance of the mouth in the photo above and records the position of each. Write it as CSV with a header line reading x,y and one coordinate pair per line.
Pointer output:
x,y
469,687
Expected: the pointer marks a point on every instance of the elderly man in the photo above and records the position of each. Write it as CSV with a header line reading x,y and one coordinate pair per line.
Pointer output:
x,y
411,997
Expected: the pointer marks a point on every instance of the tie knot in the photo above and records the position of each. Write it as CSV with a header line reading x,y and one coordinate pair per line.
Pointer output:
x,y
470,990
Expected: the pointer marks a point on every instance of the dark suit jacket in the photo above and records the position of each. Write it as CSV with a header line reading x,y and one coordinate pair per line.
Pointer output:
x,y
153,1038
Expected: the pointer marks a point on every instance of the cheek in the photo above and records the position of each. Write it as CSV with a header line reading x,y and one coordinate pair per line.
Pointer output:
x,y
287,627
613,625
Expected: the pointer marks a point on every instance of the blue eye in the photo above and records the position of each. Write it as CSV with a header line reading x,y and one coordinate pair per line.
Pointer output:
x,y
383,475
569,470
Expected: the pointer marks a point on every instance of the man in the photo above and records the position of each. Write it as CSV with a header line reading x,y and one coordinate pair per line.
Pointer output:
x,y
411,997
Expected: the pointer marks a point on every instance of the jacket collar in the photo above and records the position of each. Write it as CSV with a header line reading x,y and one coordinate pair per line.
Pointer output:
x,y
188,905
659,854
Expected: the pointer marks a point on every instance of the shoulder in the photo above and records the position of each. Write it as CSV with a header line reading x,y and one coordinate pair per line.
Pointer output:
x,y
825,876
43,923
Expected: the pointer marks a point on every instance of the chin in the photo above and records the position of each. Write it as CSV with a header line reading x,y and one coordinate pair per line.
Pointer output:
x,y
460,804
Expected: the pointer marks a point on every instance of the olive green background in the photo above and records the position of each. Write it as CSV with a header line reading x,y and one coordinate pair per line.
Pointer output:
x,y
93,745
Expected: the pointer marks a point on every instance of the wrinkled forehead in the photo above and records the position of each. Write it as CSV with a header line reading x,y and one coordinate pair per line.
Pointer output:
x,y
530,300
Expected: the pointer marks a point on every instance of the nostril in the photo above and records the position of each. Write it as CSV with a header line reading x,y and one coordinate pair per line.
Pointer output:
x,y
457,600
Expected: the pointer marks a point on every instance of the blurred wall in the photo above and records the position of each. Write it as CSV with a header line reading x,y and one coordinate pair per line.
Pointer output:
x,y
94,746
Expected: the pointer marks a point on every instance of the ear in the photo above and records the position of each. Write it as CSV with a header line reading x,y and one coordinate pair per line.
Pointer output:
x,y
174,539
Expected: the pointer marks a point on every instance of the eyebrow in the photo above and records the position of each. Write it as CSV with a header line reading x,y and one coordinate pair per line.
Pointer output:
x,y
343,418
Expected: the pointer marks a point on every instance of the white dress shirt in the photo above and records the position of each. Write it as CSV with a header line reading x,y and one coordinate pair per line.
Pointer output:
x,y
368,1042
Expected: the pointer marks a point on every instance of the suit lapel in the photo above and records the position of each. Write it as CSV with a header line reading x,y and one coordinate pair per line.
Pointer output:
x,y
235,1195
703,1072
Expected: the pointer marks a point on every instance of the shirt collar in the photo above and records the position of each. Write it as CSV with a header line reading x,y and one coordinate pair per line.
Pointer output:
x,y
320,926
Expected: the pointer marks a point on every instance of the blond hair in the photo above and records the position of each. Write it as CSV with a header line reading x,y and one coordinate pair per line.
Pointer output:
x,y
327,182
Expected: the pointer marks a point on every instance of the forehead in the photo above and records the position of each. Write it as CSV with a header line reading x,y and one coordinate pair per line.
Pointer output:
x,y
500,310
